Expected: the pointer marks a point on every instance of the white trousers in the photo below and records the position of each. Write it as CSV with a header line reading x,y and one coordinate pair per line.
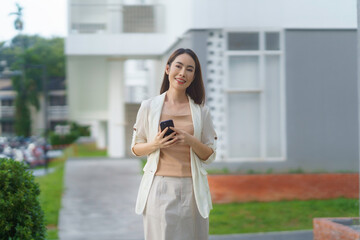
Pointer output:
x,y
171,212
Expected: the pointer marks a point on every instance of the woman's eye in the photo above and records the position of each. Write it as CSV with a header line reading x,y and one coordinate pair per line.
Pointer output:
x,y
178,66
190,70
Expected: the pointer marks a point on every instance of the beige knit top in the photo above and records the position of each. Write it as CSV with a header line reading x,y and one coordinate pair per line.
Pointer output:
x,y
175,161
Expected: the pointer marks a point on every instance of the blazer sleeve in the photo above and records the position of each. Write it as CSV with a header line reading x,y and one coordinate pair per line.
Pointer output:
x,y
141,126
208,134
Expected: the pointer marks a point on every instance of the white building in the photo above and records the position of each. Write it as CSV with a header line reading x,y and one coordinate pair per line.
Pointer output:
x,y
56,107
280,75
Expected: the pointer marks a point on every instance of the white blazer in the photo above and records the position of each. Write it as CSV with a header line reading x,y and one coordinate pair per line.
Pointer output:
x,y
146,129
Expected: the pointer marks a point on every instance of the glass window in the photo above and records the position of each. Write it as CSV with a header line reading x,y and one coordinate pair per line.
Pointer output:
x,y
57,100
244,72
7,127
243,41
272,105
7,102
243,125
254,113
272,41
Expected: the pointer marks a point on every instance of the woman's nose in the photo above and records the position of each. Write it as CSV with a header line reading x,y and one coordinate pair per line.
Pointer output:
x,y
182,72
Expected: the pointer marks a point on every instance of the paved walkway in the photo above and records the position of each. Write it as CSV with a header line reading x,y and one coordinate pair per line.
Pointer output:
x,y
99,202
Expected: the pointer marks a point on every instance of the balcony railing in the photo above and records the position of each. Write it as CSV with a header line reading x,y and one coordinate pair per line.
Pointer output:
x,y
57,112
7,111
115,18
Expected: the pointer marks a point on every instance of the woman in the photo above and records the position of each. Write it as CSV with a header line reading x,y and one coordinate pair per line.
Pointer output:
x,y
174,195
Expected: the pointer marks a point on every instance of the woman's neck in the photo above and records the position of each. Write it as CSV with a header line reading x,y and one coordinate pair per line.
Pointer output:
x,y
174,96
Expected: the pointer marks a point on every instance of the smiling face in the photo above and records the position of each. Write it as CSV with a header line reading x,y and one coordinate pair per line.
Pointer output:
x,y
181,72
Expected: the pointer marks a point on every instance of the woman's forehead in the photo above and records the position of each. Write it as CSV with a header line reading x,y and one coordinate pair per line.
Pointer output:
x,y
185,59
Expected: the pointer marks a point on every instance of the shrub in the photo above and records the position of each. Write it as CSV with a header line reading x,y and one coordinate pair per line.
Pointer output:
x,y
83,131
21,216
57,139
76,131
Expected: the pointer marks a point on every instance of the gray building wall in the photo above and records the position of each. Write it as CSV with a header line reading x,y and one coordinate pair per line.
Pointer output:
x,y
321,103
321,99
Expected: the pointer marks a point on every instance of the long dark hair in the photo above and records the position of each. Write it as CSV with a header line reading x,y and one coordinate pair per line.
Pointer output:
x,y
196,89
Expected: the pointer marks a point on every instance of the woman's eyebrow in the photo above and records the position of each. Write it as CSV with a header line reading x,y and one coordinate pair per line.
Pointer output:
x,y
183,64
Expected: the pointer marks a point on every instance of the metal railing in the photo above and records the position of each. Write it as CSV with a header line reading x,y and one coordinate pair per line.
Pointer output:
x,y
7,111
57,112
115,18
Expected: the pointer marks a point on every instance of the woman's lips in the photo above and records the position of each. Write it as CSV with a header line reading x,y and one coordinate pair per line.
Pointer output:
x,y
180,81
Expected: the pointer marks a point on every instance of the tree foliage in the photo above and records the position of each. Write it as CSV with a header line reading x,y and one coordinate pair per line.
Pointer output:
x,y
38,58
21,216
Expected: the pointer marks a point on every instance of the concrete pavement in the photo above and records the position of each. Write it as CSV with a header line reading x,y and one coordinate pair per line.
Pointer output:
x,y
99,202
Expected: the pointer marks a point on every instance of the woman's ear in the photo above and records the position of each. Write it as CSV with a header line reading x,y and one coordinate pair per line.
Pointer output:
x,y
167,69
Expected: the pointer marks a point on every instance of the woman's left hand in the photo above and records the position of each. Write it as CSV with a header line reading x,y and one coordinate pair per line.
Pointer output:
x,y
200,149
182,136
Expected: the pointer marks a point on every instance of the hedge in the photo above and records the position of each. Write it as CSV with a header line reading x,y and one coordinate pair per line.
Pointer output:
x,y
21,217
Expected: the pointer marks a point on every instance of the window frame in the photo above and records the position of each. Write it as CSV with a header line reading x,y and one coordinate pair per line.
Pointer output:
x,y
261,53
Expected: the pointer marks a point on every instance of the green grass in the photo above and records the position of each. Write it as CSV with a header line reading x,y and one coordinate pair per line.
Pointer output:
x,y
51,189
277,216
88,150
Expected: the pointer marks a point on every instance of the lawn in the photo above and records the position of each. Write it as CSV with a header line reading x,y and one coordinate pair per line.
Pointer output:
x,y
277,216
51,189
87,150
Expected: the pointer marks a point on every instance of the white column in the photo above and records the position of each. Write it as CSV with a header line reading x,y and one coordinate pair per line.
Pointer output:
x,y
116,108
101,134
156,72
115,16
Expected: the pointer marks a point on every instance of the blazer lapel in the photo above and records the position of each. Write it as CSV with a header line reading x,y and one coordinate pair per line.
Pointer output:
x,y
155,114
196,118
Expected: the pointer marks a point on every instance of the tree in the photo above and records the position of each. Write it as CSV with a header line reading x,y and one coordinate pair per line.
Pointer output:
x,y
39,53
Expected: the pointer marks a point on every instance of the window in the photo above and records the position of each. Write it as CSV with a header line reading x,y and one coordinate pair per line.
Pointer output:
x,y
243,41
272,41
7,102
57,100
7,127
254,96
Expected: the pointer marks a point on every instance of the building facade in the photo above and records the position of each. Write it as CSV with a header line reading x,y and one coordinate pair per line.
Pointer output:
x,y
55,112
280,79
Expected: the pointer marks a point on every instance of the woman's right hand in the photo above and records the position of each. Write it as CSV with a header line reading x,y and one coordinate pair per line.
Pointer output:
x,y
164,142
142,149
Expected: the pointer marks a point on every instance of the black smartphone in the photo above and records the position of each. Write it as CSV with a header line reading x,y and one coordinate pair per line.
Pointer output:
x,y
165,124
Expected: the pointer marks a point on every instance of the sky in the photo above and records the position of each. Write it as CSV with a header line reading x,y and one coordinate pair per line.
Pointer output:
x,y
44,17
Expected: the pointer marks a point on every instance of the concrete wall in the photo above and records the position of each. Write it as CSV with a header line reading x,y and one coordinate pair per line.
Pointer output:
x,y
321,99
87,87
321,103
274,13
